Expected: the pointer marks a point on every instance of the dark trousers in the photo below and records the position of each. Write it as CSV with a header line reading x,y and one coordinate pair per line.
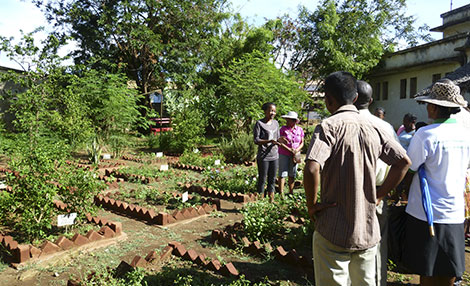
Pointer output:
x,y
267,169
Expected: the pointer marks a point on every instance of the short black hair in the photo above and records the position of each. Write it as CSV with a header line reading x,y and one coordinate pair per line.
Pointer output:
x,y
410,117
342,86
420,124
364,94
446,112
380,109
266,105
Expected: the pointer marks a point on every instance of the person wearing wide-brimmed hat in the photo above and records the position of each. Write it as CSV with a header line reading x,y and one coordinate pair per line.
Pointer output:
x,y
292,139
443,148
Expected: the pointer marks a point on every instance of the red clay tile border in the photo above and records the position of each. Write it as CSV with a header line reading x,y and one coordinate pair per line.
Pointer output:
x,y
149,215
295,219
143,161
227,269
208,192
187,167
20,253
258,249
138,261
177,249
127,177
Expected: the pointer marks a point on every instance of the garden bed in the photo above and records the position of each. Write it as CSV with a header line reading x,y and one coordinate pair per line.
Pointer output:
x,y
18,255
151,216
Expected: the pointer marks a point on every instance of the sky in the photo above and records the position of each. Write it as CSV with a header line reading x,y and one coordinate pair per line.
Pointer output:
x,y
16,15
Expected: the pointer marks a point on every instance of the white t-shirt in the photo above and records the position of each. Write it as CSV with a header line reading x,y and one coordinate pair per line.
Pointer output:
x,y
405,138
444,148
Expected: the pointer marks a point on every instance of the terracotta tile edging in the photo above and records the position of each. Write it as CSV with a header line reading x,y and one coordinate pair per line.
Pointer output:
x,y
149,215
137,261
256,248
22,253
208,192
227,269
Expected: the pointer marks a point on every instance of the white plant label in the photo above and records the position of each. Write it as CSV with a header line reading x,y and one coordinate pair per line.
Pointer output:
x,y
2,185
106,156
217,162
185,196
163,167
67,219
159,154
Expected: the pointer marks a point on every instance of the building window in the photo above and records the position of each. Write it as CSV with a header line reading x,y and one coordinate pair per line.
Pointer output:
x,y
436,77
377,91
403,88
385,90
413,86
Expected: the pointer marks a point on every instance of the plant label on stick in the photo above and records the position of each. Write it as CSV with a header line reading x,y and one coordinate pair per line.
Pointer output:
x,y
159,154
163,167
106,156
67,219
184,196
217,162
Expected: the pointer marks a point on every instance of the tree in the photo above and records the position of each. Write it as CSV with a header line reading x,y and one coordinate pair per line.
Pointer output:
x,y
153,42
44,106
75,104
251,81
350,35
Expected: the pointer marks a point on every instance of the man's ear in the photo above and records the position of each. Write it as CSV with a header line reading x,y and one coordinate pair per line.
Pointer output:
x,y
355,98
371,100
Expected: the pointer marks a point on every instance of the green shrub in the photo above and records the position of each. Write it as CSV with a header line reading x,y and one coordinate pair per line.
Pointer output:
x,y
263,220
239,149
78,189
236,180
193,158
118,143
32,210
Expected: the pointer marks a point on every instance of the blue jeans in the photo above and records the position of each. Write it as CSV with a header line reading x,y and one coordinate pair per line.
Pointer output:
x,y
266,169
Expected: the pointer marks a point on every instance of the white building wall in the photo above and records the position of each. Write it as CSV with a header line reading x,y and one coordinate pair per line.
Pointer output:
x,y
394,106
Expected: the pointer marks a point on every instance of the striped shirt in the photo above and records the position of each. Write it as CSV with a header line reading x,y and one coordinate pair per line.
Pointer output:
x,y
347,146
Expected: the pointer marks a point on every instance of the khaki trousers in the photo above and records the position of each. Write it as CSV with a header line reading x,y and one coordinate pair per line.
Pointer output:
x,y
334,265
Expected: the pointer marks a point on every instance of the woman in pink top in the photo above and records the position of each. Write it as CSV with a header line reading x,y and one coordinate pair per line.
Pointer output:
x,y
292,141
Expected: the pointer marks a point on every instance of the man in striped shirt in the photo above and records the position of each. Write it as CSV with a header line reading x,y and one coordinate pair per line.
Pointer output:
x,y
344,150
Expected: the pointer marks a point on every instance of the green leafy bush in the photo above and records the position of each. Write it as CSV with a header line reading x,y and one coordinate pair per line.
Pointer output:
x,y
31,209
193,158
78,189
239,149
236,180
263,220
188,121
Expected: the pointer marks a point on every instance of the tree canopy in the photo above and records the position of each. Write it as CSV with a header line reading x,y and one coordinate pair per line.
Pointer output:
x,y
350,35
154,42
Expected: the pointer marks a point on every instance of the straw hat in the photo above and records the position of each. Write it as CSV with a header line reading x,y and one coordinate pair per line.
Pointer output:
x,y
445,94
291,115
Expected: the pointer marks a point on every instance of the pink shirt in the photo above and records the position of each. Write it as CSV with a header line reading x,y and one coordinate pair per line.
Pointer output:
x,y
294,137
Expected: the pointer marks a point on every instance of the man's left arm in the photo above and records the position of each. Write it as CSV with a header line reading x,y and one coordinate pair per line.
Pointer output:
x,y
311,185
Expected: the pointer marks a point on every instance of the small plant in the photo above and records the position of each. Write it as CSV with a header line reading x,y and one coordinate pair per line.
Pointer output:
x,y
78,188
239,149
147,171
94,151
237,180
194,158
118,144
263,220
